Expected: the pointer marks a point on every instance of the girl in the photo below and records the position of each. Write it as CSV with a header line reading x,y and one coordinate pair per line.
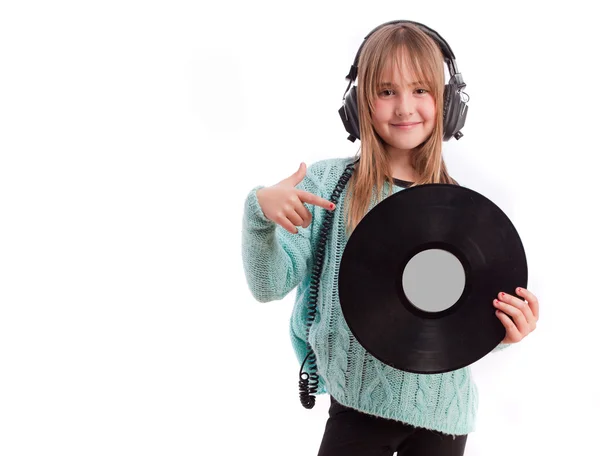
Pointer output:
x,y
375,409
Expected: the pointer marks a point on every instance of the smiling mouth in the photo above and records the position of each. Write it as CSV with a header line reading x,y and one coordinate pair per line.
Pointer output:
x,y
406,126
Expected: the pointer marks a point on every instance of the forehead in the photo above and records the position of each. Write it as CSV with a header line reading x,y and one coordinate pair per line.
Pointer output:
x,y
398,70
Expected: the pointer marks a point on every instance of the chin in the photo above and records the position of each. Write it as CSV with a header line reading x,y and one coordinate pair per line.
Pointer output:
x,y
406,145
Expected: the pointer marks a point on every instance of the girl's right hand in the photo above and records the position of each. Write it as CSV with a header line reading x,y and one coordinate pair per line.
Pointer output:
x,y
283,203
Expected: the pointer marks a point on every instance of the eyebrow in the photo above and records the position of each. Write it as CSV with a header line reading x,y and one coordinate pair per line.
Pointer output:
x,y
391,84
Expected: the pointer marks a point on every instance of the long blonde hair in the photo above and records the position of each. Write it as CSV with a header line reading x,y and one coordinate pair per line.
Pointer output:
x,y
401,43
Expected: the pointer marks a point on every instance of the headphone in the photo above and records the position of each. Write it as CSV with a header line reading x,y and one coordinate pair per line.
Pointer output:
x,y
455,108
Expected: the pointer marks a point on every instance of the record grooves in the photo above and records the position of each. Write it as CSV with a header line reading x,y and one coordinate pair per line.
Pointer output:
x,y
374,301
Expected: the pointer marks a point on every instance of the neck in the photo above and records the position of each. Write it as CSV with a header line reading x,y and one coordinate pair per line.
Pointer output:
x,y
401,166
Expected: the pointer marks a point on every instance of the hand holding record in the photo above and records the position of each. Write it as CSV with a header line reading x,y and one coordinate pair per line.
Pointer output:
x,y
523,313
283,203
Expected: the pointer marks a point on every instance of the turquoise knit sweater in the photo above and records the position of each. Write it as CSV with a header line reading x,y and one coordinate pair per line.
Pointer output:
x,y
276,261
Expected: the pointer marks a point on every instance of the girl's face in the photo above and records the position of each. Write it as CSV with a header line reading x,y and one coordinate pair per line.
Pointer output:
x,y
404,114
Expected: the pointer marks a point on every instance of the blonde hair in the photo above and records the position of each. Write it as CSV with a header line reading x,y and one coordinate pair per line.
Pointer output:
x,y
395,43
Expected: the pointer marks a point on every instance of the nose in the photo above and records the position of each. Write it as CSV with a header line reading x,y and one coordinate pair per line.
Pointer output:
x,y
405,104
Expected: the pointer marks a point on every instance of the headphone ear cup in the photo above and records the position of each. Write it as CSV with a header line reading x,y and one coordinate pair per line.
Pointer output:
x,y
349,114
447,112
455,111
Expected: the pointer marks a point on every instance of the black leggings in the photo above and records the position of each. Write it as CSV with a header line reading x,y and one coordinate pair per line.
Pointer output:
x,y
349,432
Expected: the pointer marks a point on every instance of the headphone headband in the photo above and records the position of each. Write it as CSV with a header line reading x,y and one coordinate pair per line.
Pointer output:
x,y
449,57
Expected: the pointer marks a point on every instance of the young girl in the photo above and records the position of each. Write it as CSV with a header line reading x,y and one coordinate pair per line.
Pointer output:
x,y
375,409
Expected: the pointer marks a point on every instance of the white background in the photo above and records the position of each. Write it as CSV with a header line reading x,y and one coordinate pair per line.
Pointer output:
x,y
130,135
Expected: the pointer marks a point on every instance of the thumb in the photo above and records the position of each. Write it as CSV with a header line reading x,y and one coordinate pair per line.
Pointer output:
x,y
297,177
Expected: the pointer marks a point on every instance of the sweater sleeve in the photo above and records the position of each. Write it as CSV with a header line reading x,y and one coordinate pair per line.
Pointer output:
x,y
275,260
500,347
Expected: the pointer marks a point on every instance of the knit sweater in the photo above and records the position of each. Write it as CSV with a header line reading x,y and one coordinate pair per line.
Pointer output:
x,y
276,261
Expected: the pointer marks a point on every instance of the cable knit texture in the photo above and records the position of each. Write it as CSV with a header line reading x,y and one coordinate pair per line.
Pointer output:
x,y
276,261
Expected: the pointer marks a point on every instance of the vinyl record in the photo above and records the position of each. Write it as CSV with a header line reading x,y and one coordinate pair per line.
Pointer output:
x,y
419,275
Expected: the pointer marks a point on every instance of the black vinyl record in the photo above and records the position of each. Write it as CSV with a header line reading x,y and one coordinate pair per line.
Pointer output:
x,y
373,287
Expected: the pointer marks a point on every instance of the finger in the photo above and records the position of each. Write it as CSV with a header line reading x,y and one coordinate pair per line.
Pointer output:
x,y
297,177
519,304
512,333
516,314
531,319
286,224
304,213
532,300
307,197
293,217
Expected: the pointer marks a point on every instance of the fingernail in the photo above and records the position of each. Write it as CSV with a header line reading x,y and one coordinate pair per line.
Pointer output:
x,y
331,206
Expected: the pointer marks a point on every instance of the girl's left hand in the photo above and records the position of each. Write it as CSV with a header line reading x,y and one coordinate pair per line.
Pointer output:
x,y
524,313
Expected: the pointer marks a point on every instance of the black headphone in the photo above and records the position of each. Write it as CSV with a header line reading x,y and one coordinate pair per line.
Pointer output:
x,y
455,109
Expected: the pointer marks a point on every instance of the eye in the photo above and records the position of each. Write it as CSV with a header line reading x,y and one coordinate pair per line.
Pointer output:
x,y
386,92
423,91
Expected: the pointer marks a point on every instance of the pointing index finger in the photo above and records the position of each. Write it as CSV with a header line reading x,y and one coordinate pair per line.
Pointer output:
x,y
307,197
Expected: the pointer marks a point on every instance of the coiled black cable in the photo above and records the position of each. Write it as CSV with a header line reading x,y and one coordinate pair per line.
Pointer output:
x,y
309,380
